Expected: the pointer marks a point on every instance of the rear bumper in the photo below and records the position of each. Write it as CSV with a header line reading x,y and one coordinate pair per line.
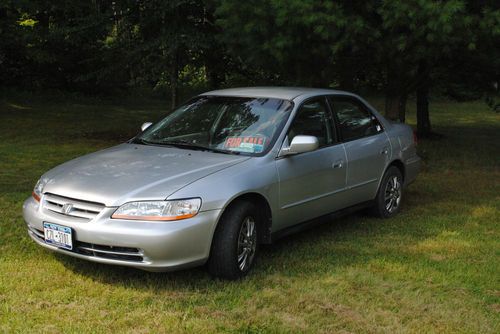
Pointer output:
x,y
412,168
152,246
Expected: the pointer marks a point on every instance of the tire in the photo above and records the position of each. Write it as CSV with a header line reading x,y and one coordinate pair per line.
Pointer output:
x,y
387,203
234,236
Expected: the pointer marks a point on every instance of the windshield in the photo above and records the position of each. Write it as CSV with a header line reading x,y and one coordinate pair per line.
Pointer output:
x,y
222,124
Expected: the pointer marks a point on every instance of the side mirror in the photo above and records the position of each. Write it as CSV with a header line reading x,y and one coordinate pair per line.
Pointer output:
x,y
300,144
146,125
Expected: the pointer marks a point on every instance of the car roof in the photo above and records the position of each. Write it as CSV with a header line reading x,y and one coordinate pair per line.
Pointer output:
x,y
286,93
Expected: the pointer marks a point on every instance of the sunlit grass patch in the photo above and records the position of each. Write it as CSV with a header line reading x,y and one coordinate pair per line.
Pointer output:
x,y
444,246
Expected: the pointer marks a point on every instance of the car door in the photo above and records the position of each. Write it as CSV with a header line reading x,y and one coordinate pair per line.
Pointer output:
x,y
309,182
367,147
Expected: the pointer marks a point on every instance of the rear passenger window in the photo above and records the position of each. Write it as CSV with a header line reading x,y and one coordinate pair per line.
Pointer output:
x,y
354,120
313,119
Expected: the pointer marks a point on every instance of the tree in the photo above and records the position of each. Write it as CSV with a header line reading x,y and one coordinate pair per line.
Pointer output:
x,y
11,45
399,48
160,38
471,52
278,39
408,39
53,41
394,45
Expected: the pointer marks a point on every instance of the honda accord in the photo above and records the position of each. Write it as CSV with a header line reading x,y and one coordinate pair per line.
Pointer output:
x,y
224,173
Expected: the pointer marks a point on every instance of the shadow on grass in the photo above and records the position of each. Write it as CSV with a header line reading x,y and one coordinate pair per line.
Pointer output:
x,y
331,244
281,258
281,254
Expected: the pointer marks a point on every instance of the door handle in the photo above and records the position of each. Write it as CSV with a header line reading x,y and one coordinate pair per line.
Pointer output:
x,y
338,164
384,151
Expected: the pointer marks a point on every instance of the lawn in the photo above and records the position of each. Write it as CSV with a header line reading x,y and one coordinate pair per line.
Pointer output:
x,y
433,268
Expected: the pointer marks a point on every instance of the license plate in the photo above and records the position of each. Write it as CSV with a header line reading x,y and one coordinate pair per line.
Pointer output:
x,y
58,235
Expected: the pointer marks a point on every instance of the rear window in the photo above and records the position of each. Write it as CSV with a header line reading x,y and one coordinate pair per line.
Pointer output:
x,y
354,120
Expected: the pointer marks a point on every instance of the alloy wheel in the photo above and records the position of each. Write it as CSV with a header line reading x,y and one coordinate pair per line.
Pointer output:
x,y
392,194
247,243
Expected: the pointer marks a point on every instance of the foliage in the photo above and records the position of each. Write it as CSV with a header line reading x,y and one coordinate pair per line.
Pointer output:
x,y
102,47
380,43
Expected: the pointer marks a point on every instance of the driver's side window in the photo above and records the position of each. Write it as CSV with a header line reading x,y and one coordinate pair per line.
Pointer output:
x,y
313,119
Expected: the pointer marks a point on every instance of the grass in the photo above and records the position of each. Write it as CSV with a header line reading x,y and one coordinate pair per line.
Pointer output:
x,y
433,268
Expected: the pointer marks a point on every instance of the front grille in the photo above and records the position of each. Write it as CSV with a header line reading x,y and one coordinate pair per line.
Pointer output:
x,y
110,252
102,251
84,211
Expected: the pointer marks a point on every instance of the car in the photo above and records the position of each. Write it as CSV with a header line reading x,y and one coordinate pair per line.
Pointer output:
x,y
221,175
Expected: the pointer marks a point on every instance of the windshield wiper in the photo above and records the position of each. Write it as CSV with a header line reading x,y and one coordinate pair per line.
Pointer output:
x,y
183,144
165,143
188,145
141,141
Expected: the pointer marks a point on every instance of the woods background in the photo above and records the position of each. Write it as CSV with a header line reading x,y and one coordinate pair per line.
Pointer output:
x,y
173,48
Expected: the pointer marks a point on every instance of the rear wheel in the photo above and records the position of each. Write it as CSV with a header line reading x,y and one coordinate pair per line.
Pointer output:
x,y
235,242
390,193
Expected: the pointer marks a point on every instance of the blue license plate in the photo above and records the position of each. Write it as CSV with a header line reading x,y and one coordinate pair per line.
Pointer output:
x,y
58,235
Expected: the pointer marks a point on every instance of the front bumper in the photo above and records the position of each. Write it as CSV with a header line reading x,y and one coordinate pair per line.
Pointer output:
x,y
152,246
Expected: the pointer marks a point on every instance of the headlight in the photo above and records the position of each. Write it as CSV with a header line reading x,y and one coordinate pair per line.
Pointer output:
x,y
38,190
159,210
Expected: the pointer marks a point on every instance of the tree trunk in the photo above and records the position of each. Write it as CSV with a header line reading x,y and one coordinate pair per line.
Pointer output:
x,y
214,76
395,96
402,108
344,69
395,106
423,119
174,76
346,78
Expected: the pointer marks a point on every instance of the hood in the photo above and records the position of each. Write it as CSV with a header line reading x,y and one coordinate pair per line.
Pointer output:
x,y
130,172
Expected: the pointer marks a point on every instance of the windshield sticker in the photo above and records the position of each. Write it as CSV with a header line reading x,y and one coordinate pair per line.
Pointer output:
x,y
245,144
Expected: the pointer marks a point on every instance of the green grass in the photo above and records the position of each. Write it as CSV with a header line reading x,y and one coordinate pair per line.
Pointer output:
x,y
433,268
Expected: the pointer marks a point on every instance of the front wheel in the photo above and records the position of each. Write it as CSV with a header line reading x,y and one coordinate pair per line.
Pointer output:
x,y
235,242
390,193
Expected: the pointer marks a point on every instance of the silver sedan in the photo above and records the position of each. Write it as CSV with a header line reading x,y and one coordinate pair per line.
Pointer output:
x,y
227,171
